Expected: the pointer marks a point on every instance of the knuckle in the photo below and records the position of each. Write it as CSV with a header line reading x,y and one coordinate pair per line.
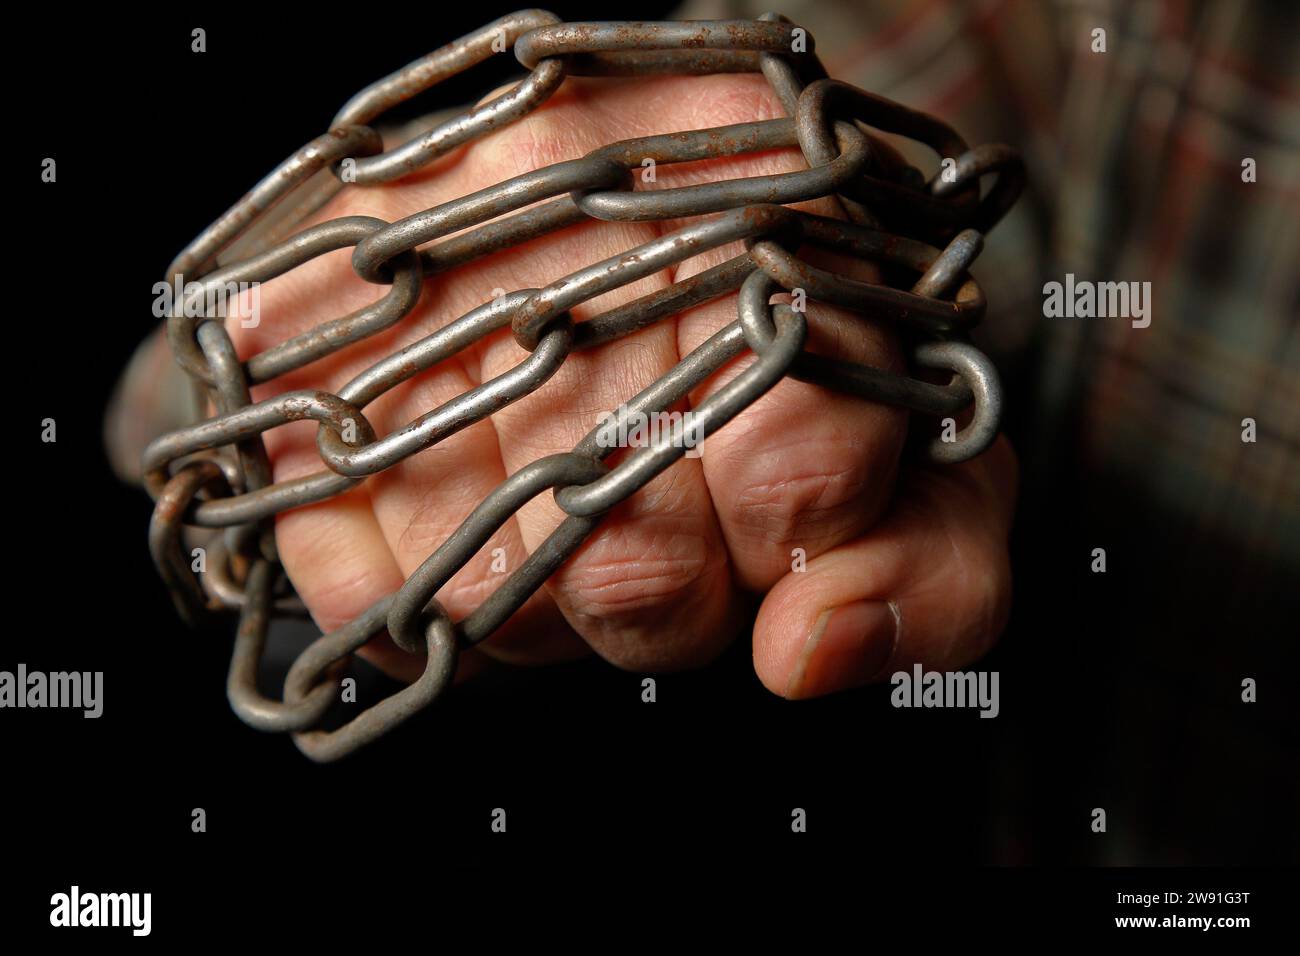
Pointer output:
x,y
632,569
802,491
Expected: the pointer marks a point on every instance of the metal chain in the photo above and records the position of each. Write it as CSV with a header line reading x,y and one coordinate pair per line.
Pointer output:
x,y
215,474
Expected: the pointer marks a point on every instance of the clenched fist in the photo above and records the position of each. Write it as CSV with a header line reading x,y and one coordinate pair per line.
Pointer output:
x,y
904,563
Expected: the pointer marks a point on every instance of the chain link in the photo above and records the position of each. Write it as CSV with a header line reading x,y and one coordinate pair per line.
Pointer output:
x,y
213,478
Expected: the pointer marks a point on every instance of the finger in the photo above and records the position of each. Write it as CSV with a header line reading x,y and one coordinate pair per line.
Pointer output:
x,y
930,585
651,589
340,564
804,467
338,561
334,551
421,500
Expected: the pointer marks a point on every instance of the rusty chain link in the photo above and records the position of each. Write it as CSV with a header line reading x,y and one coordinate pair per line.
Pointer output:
x,y
215,474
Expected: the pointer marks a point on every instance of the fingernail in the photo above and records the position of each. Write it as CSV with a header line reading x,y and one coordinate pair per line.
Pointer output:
x,y
848,646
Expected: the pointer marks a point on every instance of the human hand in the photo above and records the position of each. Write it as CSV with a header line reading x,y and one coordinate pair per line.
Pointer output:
x,y
904,563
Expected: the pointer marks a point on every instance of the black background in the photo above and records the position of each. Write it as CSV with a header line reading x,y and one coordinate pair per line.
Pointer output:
x,y
152,143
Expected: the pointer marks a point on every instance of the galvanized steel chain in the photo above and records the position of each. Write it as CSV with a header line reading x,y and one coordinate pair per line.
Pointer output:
x,y
214,474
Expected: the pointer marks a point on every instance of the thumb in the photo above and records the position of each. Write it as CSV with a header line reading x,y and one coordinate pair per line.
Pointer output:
x,y
930,585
